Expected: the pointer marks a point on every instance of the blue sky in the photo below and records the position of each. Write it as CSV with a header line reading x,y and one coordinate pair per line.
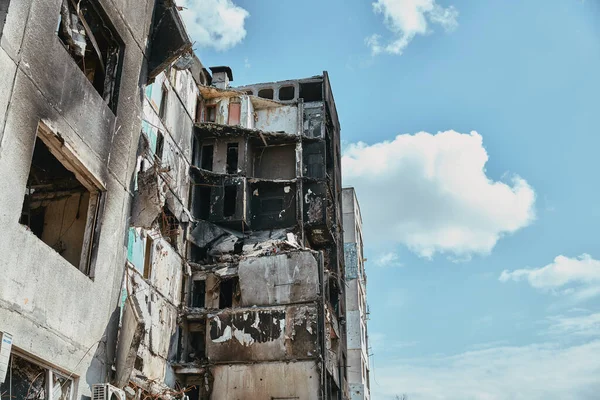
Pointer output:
x,y
470,131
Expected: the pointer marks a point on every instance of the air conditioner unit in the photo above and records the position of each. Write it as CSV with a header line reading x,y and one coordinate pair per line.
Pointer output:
x,y
106,391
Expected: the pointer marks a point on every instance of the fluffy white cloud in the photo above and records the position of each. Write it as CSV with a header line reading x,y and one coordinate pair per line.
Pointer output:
x,y
540,371
407,18
431,193
389,259
214,23
579,277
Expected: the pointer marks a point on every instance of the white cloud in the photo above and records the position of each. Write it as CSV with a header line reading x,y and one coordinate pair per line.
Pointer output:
x,y
214,23
431,193
389,259
407,18
540,371
577,277
582,325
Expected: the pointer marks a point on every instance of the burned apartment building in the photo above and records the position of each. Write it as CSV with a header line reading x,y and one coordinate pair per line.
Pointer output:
x,y
356,299
264,303
72,82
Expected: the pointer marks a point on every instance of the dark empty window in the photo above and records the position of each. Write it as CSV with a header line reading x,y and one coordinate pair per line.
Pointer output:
x,y
199,294
228,292
202,203
249,92
88,35
311,91
287,93
272,205
58,208
207,157
232,158
160,144
162,109
229,200
210,113
265,93
197,340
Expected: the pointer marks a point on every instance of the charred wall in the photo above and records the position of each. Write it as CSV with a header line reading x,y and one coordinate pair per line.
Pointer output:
x,y
42,87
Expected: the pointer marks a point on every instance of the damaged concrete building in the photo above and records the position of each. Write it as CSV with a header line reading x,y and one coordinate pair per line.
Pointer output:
x,y
167,236
356,299
71,97
264,302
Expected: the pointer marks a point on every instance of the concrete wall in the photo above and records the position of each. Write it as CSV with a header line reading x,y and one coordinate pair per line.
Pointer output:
x,y
285,380
356,317
54,311
278,119
280,279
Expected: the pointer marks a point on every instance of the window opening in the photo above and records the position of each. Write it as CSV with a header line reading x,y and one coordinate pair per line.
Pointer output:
x,y
265,93
148,257
311,91
207,157
169,226
28,380
210,113
160,144
199,293
197,340
58,208
250,92
89,37
228,292
287,93
204,198
232,158
162,109
229,200
198,110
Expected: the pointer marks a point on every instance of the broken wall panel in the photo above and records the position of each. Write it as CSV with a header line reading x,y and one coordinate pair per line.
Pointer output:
x,y
279,279
276,333
277,119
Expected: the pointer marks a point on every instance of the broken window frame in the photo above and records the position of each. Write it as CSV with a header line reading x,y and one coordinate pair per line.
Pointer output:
x,y
49,376
110,63
231,301
232,159
210,113
207,157
67,158
198,297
